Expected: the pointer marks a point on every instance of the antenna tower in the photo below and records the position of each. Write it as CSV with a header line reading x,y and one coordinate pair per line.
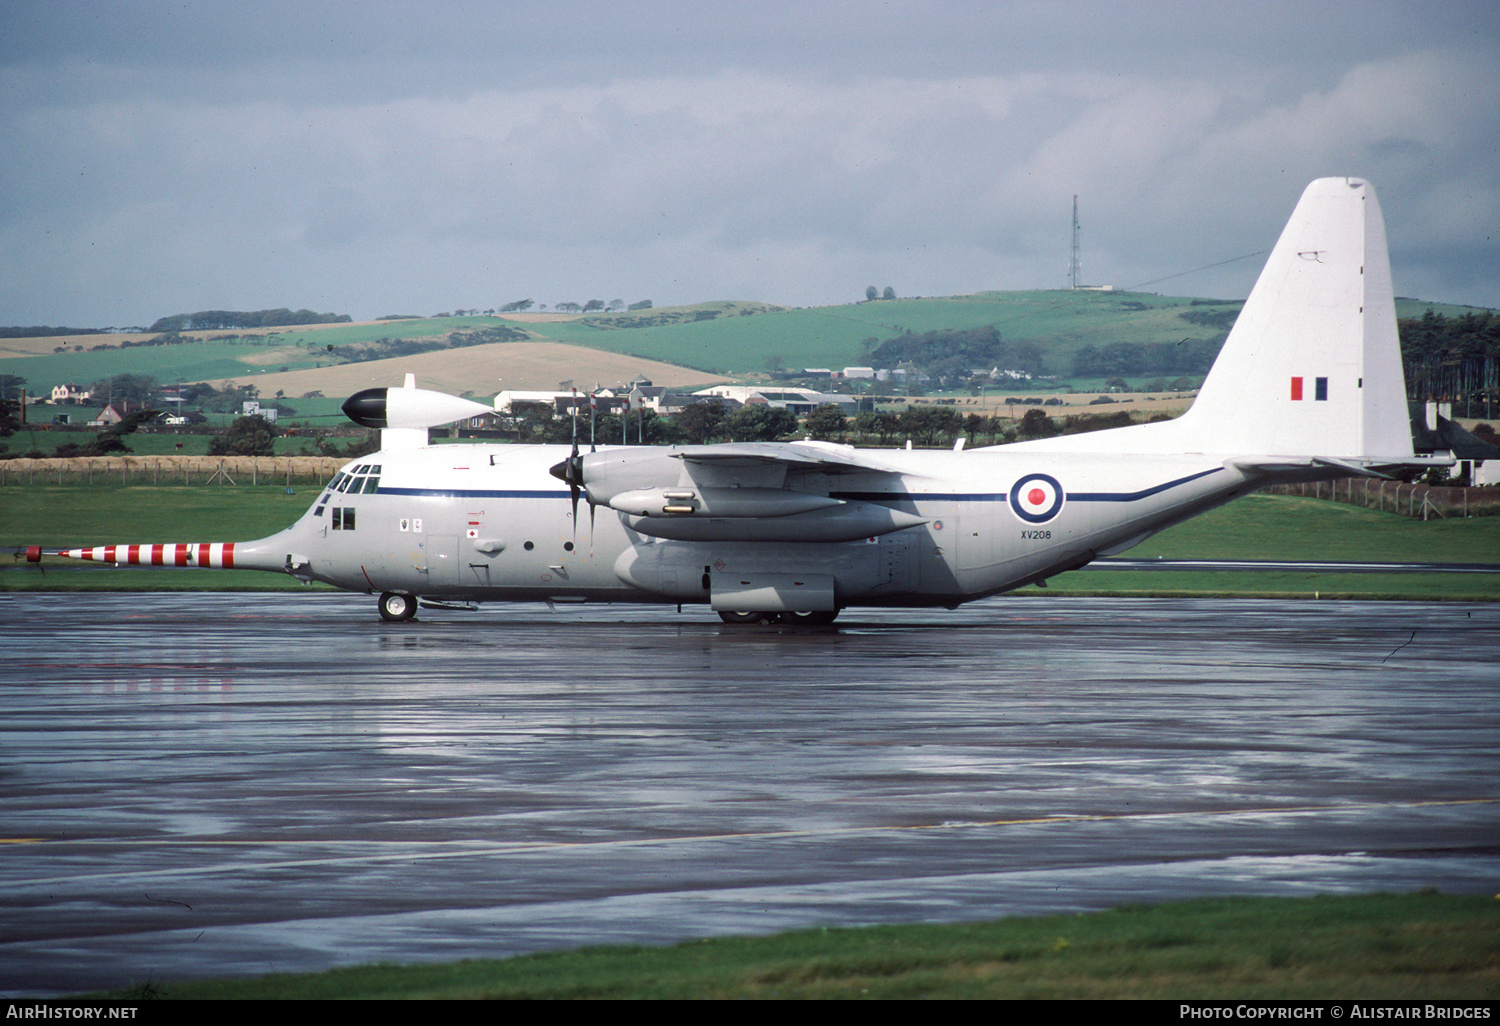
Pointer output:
x,y
1074,271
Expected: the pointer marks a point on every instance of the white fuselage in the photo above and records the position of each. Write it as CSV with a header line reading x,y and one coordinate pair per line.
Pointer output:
x,y
489,523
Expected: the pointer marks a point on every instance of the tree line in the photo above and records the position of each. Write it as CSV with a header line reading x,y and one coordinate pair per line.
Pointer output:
x,y
1452,358
950,356
212,320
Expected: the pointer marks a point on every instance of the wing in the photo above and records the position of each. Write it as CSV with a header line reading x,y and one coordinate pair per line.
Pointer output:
x,y
822,457
743,491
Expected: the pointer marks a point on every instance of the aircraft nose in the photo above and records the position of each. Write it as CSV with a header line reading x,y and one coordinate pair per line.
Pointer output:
x,y
367,407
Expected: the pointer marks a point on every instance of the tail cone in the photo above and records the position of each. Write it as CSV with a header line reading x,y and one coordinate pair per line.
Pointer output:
x,y
213,555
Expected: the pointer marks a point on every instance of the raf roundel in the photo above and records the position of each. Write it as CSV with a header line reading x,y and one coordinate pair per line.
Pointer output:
x,y
1036,498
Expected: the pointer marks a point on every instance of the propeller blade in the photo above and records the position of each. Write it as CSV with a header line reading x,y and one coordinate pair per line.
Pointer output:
x,y
570,471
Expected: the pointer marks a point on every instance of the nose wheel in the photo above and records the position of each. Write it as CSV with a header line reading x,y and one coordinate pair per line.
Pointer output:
x,y
397,608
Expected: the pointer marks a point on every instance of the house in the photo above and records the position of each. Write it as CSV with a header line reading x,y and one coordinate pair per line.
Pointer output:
x,y
68,395
648,397
110,415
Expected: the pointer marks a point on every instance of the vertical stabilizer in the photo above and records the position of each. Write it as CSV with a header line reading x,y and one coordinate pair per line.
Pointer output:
x,y
1313,364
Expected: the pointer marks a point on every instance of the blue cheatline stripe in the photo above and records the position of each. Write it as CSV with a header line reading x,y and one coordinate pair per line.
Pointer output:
x,y
1005,496
476,493
915,496
903,496
1143,493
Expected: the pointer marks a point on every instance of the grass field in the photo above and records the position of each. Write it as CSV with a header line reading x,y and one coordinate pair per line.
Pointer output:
x,y
89,358
1292,527
1059,321
1386,947
1256,527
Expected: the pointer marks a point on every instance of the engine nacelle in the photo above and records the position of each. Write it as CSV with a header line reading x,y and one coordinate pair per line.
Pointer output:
x,y
839,522
718,502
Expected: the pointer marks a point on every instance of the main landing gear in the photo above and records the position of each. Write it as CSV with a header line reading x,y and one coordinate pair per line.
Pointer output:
x,y
397,608
810,618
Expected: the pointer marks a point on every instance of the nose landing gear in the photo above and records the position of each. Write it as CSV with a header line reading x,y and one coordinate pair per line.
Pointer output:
x,y
396,608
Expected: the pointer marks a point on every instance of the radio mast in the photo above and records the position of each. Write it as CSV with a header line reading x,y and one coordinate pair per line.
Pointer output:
x,y
1074,271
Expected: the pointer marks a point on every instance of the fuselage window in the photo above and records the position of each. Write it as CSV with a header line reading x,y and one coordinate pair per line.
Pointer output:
x,y
343,518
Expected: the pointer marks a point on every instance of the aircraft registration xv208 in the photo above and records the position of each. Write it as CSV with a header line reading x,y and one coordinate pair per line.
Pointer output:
x,y
1308,386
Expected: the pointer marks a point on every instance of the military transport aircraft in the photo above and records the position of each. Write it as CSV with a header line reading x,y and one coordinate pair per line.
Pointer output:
x,y
1308,387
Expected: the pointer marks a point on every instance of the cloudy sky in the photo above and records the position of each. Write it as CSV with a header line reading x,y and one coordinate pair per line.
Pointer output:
x,y
378,158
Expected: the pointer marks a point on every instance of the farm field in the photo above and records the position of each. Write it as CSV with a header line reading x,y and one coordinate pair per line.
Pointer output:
x,y
678,346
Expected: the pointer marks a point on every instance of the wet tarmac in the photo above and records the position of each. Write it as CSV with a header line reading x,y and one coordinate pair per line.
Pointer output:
x,y
212,785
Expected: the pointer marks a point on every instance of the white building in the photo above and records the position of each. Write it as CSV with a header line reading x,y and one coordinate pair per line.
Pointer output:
x,y
800,401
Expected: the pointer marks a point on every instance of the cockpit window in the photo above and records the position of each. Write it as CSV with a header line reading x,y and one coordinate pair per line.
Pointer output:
x,y
365,478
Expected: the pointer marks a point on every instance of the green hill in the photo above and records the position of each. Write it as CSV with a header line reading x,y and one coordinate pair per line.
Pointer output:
x,y
725,338
742,339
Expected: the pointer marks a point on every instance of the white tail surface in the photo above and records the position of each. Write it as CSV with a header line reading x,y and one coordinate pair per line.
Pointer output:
x,y
1312,367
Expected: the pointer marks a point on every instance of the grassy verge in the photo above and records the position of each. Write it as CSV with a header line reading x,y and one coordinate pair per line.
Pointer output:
x,y
1294,527
64,516
1256,527
1417,946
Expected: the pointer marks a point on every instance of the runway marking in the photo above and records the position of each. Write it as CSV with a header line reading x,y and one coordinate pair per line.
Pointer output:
x,y
532,847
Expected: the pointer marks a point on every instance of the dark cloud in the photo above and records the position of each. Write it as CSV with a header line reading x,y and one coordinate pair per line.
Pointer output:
x,y
379,157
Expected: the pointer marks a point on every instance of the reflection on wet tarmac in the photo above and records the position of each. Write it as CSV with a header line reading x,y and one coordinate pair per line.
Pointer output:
x,y
200,785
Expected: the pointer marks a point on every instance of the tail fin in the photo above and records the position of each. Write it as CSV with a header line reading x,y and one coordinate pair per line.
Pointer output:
x,y
1312,368
1313,364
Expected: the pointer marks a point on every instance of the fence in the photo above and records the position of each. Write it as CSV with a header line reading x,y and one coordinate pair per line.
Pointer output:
x,y
1409,500
170,470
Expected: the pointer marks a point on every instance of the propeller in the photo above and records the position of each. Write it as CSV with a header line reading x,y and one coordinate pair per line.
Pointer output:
x,y
570,470
593,423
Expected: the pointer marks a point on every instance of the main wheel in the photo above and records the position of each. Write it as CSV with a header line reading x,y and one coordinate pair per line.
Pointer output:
x,y
729,616
397,608
809,619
